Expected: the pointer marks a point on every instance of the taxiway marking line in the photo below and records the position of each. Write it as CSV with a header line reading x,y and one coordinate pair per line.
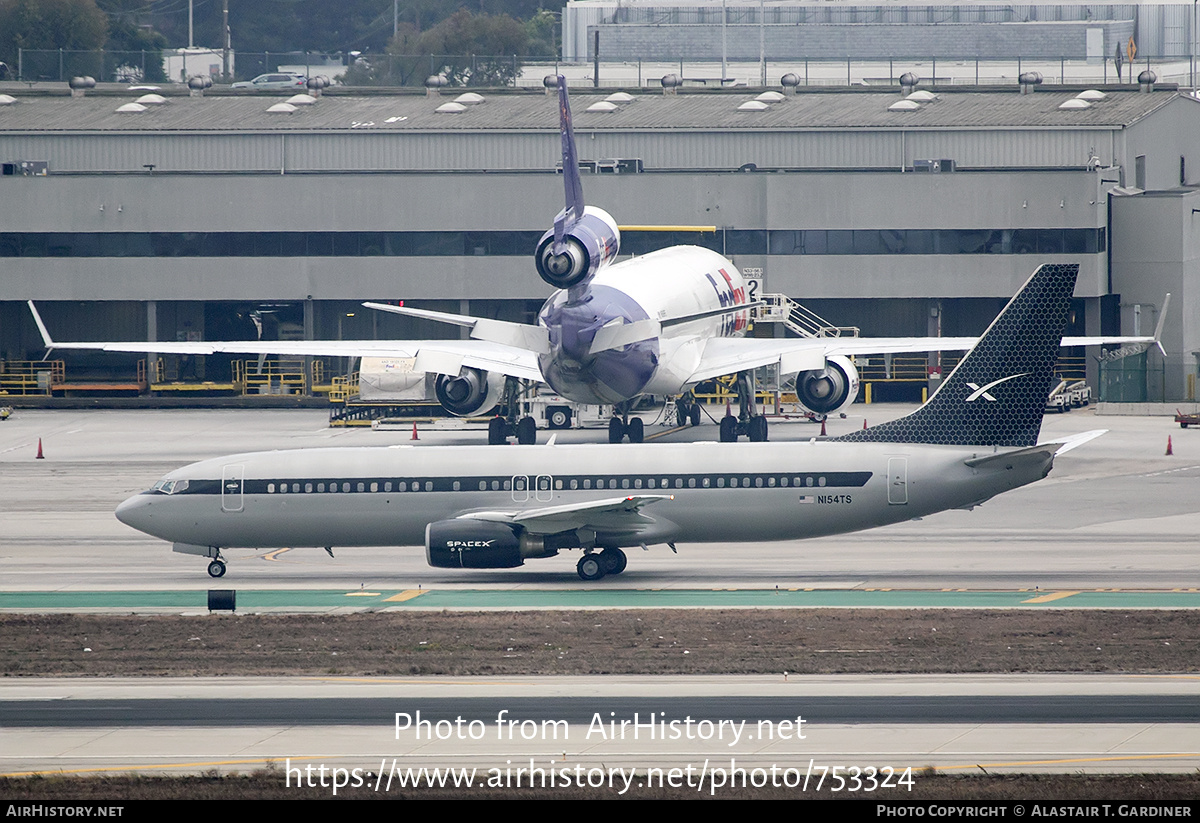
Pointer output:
x,y
404,595
1049,598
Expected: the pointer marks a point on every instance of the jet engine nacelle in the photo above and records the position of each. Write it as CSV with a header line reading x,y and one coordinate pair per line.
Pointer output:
x,y
471,392
480,544
588,244
830,389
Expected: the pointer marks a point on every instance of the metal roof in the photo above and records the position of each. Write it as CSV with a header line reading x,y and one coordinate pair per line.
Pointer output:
x,y
651,111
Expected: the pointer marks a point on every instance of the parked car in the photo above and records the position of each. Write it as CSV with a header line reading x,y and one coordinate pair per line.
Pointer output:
x,y
274,82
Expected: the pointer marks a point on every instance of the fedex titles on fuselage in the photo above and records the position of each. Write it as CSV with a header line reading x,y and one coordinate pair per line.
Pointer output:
x,y
731,296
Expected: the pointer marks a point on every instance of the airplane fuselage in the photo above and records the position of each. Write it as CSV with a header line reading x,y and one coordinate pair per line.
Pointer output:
x,y
682,281
710,492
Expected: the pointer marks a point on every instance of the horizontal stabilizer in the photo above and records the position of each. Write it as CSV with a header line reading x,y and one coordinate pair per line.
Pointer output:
x,y
519,335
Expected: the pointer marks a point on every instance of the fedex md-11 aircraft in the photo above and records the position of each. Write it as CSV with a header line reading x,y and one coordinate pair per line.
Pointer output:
x,y
479,508
658,324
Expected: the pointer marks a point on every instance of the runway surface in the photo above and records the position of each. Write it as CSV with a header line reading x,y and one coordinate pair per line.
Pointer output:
x,y
1040,723
1115,514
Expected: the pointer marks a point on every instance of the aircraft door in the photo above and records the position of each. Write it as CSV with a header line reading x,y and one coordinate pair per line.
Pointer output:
x,y
897,481
520,488
544,490
231,487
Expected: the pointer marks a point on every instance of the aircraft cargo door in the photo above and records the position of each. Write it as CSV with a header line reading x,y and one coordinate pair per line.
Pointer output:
x,y
231,488
897,481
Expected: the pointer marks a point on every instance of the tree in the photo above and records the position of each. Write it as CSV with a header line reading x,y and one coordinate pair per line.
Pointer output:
x,y
476,49
50,24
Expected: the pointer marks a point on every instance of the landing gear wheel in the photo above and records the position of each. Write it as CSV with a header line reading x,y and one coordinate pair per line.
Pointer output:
x,y
616,432
694,415
558,417
590,567
614,561
526,431
496,435
216,569
729,429
756,427
636,430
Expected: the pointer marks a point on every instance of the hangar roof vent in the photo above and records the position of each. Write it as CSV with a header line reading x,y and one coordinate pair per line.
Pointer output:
x,y
131,108
603,106
282,108
770,97
301,100
1076,103
904,105
753,105
451,108
922,96
469,98
7,99
152,100
1091,95
620,97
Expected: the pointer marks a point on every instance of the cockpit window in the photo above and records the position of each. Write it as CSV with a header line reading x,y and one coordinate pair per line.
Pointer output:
x,y
170,486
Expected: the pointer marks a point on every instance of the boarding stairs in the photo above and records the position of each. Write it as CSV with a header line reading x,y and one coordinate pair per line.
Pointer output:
x,y
803,322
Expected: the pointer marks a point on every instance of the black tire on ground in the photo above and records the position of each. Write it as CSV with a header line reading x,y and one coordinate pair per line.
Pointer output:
x,y
616,430
526,431
496,436
614,561
216,569
590,567
729,429
694,414
559,417
636,430
756,427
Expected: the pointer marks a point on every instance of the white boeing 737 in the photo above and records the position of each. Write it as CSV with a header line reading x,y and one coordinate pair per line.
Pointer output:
x,y
479,508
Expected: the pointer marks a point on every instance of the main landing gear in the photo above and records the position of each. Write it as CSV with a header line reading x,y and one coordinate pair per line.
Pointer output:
x,y
216,568
621,425
508,423
593,566
748,422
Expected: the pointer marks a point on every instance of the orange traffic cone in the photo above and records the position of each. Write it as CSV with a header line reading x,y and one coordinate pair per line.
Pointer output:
x,y
864,424
1168,447
414,437
822,428
40,456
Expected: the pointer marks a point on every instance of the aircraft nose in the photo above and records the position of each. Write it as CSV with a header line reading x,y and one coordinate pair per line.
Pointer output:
x,y
135,511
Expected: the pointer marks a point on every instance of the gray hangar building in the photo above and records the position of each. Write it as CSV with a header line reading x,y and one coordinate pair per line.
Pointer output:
x,y
222,217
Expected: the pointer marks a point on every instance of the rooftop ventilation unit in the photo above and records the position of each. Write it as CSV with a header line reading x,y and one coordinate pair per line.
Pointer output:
x,y
7,99
451,108
770,97
469,99
753,105
904,105
131,108
603,106
1076,103
281,108
922,96
151,100
301,100
1091,95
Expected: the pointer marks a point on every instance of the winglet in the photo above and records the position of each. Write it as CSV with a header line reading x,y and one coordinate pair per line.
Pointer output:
x,y
570,162
37,318
1162,316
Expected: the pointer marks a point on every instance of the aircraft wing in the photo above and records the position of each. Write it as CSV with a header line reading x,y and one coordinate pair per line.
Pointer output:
x,y
621,512
726,355
439,356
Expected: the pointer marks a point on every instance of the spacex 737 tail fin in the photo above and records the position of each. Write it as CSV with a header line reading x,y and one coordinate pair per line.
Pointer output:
x,y
997,394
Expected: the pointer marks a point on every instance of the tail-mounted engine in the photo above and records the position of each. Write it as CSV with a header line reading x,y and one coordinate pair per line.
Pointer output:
x,y
588,244
480,544
471,392
830,389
